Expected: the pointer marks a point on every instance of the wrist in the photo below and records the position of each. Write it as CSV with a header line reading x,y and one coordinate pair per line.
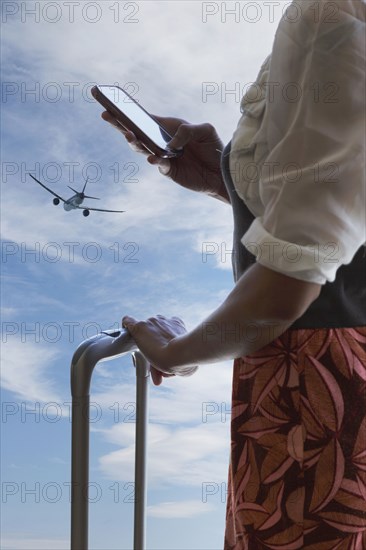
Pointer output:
x,y
177,358
221,194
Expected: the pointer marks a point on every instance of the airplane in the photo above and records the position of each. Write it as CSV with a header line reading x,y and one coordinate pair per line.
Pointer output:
x,y
76,200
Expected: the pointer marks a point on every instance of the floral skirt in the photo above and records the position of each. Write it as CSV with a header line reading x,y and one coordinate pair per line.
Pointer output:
x,y
297,476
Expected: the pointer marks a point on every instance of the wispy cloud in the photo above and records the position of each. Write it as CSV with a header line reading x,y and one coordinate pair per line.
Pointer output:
x,y
184,509
25,371
177,456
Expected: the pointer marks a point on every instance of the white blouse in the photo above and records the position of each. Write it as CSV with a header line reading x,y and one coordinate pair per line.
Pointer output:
x,y
298,154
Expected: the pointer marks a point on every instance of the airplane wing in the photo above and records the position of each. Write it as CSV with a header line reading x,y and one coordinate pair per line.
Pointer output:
x,y
99,209
47,189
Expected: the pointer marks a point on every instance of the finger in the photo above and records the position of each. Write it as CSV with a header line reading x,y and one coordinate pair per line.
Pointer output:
x,y
132,140
129,323
170,124
164,165
190,132
130,136
175,318
108,117
156,376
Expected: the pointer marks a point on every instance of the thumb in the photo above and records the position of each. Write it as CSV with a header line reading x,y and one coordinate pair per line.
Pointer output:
x,y
129,323
193,132
182,136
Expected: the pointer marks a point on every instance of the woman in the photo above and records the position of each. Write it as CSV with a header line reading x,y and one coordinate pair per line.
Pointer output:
x,y
294,176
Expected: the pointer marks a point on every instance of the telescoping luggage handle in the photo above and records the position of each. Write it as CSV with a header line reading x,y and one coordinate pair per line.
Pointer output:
x,y
101,347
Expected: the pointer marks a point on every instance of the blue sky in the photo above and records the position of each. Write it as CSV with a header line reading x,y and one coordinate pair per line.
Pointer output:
x,y
64,277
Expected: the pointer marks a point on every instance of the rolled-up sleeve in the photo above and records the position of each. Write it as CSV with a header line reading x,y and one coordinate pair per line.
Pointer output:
x,y
312,182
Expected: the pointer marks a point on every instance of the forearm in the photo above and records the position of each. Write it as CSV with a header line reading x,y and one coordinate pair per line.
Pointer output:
x,y
219,338
257,311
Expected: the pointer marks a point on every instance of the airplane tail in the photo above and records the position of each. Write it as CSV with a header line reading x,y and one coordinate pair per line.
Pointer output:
x,y
82,192
89,197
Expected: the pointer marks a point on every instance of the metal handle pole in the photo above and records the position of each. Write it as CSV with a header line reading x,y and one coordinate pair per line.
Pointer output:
x,y
79,473
104,346
142,395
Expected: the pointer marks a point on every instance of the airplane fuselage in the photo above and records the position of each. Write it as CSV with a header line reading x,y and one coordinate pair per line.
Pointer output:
x,y
74,202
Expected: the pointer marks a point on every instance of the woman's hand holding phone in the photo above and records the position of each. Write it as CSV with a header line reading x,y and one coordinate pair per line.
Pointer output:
x,y
199,167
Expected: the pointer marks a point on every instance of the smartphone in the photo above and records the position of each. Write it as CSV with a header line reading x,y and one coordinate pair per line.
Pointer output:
x,y
133,117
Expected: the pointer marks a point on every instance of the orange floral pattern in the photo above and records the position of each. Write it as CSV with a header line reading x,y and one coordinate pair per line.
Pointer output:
x,y
297,476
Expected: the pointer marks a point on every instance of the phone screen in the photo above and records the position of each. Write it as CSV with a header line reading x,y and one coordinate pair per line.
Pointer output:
x,y
136,114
